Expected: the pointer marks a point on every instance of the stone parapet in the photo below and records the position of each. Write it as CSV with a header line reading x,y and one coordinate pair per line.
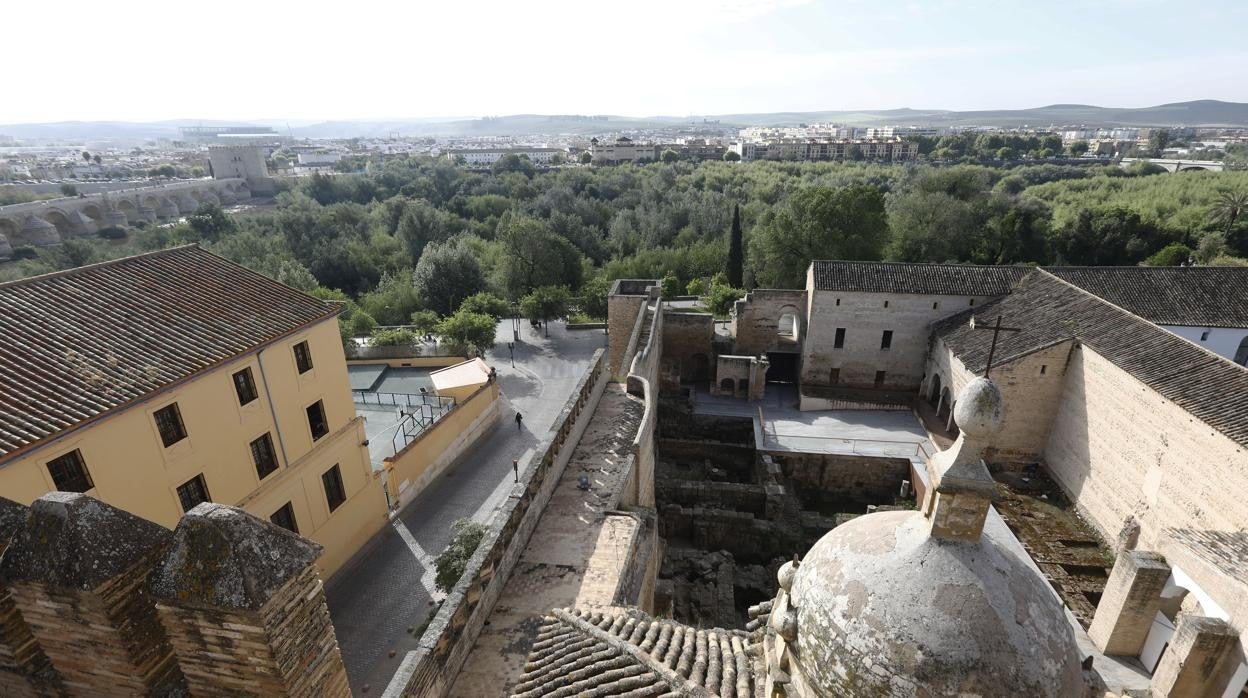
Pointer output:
x,y
1129,603
24,669
245,610
77,558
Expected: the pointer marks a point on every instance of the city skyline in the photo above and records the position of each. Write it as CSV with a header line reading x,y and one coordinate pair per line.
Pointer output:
x,y
251,62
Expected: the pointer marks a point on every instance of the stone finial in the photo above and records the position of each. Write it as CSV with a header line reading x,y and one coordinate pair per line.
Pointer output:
x,y
72,540
962,489
226,558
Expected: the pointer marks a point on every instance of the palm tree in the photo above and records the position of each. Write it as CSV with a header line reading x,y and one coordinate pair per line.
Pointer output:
x,y
1229,208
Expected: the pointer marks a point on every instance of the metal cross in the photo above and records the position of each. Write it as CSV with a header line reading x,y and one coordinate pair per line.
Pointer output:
x,y
997,329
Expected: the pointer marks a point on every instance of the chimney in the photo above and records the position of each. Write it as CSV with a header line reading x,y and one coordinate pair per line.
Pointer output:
x,y
77,569
956,505
245,609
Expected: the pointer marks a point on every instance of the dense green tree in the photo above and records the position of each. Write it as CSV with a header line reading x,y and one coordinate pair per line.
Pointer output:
x,y
817,223
1173,255
394,299
447,273
720,297
586,158
671,286
594,297
1158,139
392,337
362,324
486,303
68,189
425,321
534,256
472,333
1229,208
731,156
1078,148
670,156
1108,237
545,303
736,250
210,223
512,162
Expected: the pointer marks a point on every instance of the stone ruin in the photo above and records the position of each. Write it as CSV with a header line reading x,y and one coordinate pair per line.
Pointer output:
x,y
96,601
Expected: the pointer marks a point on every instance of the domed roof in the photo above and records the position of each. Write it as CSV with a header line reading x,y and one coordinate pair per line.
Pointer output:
x,y
884,608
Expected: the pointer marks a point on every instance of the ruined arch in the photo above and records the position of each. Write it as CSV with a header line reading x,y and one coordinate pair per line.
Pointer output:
x,y
9,229
1192,168
150,201
727,386
1241,353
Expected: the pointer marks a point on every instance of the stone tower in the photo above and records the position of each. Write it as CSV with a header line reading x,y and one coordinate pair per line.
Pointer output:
x,y
244,608
242,162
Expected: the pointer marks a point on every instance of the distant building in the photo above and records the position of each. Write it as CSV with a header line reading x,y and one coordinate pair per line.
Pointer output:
x,y
818,150
222,134
624,149
486,157
242,162
319,158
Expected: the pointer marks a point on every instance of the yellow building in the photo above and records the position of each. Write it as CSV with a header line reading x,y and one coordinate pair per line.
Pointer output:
x,y
163,380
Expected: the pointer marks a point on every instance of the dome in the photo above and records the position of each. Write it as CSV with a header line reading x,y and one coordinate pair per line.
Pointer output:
x,y
884,608
979,408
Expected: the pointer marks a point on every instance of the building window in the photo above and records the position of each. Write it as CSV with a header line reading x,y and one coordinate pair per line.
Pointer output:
x,y
192,492
935,306
245,386
839,341
885,304
316,420
1204,335
972,301
169,422
285,517
879,378
263,455
1043,368
303,357
834,376
838,301
335,493
886,341
69,472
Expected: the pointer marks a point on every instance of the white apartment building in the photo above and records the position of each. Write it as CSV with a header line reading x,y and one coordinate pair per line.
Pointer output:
x,y
486,157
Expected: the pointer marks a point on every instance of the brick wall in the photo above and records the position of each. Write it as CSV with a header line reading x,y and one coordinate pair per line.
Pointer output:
x,y
756,321
844,478
687,344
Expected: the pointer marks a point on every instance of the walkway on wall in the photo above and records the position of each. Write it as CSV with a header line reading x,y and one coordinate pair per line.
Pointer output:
x,y
389,587
551,571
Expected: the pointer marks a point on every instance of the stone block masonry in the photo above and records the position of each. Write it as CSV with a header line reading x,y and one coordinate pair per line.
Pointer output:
x,y
78,572
1131,599
24,669
246,620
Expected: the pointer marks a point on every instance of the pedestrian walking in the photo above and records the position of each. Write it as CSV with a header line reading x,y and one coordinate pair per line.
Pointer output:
x,y
519,419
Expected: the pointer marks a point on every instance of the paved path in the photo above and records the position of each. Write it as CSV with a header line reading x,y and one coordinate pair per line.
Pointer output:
x,y
389,587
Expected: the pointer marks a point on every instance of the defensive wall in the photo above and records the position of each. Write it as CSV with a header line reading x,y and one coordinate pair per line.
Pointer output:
x,y
49,222
96,601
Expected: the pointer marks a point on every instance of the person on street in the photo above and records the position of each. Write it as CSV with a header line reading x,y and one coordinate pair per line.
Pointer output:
x,y
519,419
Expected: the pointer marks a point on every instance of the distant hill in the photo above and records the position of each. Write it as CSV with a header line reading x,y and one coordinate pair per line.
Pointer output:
x,y
1205,112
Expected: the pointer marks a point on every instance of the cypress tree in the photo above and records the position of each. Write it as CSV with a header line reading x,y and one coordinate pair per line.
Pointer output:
x,y
736,257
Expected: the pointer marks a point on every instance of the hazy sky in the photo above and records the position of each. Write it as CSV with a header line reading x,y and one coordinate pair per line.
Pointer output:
x,y
146,60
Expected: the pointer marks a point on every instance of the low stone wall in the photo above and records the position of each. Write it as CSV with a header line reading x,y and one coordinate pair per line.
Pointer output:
x,y
738,496
643,381
410,471
679,422
844,478
430,670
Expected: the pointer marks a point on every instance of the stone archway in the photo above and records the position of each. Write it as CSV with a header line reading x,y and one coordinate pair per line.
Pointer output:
x,y
788,325
933,392
129,210
62,221
95,212
727,386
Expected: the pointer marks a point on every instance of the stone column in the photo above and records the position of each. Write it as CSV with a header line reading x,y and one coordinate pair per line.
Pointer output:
x,y
1129,603
24,669
245,610
78,568
1195,663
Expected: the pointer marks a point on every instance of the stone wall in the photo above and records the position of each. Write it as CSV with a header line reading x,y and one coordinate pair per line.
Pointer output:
x,y
844,478
643,381
119,606
431,669
1121,450
756,321
865,317
687,344
624,319
1031,387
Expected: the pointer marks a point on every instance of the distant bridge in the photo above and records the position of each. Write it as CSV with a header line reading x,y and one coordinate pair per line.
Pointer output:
x,y
41,223
1179,165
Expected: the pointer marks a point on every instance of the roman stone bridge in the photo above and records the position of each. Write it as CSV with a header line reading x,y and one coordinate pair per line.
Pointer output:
x,y
1178,165
41,223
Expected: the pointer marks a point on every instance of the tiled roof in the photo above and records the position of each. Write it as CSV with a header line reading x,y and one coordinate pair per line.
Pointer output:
x,y
1201,296
930,279
626,653
79,343
1049,310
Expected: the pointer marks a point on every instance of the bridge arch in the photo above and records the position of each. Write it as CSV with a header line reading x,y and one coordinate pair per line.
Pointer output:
x,y
63,221
150,201
95,212
1193,168
9,229
129,210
